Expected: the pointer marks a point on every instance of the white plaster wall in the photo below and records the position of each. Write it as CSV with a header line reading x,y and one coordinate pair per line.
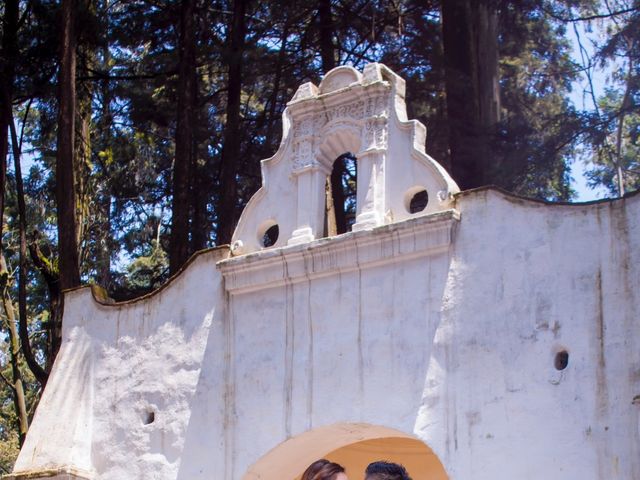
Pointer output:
x,y
452,344
527,279
350,348
118,363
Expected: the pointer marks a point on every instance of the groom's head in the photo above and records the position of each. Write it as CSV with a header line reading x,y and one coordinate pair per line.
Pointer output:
x,y
385,471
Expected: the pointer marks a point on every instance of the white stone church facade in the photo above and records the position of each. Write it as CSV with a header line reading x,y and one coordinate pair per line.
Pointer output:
x,y
484,337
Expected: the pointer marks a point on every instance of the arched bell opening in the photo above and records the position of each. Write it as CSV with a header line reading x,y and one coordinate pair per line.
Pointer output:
x,y
353,446
341,196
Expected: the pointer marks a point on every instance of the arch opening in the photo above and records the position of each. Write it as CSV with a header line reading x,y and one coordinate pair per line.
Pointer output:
x,y
420,462
341,195
353,446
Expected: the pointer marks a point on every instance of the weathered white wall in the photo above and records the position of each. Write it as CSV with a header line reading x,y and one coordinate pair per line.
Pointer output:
x,y
453,344
441,325
117,364
526,280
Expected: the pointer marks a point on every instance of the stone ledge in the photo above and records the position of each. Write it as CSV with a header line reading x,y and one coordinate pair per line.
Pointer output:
x,y
61,473
417,237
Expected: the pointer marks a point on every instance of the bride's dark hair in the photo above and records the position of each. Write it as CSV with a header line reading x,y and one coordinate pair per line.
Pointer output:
x,y
322,470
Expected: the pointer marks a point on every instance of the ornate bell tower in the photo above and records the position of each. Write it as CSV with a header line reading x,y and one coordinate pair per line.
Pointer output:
x,y
360,113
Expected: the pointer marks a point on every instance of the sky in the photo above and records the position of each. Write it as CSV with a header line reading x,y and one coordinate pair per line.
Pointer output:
x,y
584,102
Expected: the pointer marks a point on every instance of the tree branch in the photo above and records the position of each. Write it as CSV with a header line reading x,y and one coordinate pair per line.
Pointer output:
x,y
7,381
586,18
101,75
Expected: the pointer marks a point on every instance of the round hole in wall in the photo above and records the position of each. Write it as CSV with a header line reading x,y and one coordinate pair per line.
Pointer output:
x,y
561,360
270,237
416,199
149,417
268,233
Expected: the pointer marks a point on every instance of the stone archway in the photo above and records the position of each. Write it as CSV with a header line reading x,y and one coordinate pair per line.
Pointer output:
x,y
353,445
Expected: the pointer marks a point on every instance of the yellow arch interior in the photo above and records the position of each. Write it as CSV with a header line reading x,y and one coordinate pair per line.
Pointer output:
x,y
353,446
419,460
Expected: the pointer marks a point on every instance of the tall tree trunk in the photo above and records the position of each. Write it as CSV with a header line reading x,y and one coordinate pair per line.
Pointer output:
x,y
200,183
82,156
103,240
8,55
7,73
179,247
65,184
16,384
200,227
104,128
327,47
51,276
232,135
624,108
470,39
200,192
272,120
38,372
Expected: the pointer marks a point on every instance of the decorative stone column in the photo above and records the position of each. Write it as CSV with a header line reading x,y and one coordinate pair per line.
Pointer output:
x,y
310,177
371,162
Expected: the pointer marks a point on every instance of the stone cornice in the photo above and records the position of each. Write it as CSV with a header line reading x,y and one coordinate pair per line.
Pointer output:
x,y
417,237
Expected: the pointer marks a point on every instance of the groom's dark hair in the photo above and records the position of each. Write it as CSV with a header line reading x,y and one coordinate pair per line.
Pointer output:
x,y
386,471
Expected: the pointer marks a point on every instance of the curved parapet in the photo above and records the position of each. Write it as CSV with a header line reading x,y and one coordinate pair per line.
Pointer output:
x,y
125,376
349,112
